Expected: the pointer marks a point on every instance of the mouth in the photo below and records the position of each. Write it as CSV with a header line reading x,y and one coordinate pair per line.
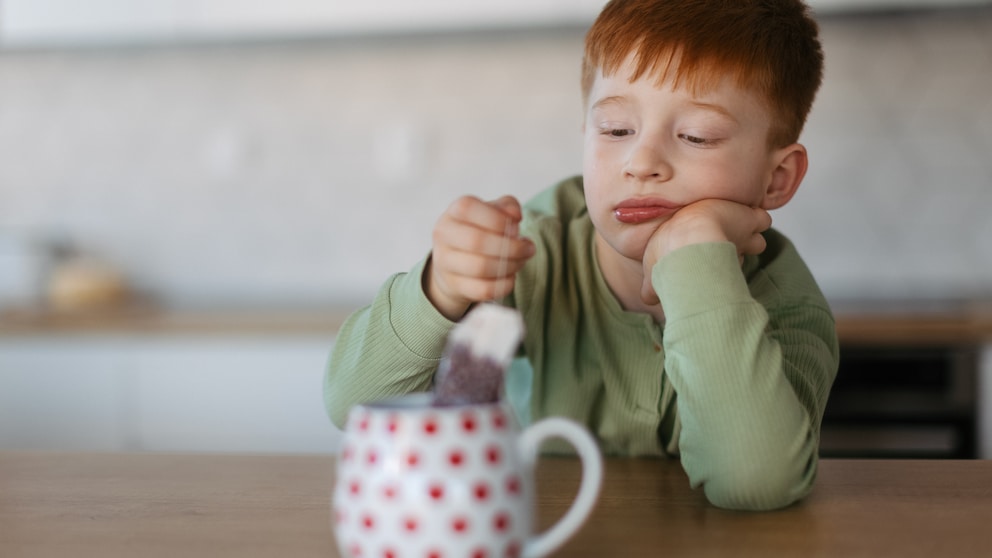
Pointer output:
x,y
641,210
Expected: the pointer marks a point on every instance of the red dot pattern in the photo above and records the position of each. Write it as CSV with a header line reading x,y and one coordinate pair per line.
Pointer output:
x,y
433,483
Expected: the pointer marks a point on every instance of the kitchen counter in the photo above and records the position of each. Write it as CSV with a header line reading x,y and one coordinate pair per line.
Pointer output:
x,y
914,322
155,320
859,323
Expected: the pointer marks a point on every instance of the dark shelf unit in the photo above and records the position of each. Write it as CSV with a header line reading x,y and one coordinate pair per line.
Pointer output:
x,y
903,402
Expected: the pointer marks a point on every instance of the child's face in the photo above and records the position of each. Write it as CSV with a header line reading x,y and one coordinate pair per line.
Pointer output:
x,y
651,150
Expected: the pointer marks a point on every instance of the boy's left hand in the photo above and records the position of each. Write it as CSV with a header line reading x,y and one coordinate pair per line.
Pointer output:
x,y
709,220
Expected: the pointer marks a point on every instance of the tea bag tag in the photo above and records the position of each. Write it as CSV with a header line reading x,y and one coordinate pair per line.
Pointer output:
x,y
477,354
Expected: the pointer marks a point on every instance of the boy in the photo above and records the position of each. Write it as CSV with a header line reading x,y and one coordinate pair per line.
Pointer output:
x,y
661,310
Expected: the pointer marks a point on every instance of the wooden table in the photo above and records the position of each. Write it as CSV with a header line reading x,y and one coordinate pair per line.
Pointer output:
x,y
149,505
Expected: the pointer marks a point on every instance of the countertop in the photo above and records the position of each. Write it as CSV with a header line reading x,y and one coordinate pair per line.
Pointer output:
x,y
109,505
944,322
152,320
912,322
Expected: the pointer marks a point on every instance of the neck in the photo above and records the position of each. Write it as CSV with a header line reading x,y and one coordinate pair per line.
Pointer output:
x,y
625,277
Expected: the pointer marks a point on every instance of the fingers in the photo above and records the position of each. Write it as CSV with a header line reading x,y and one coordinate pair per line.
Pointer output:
x,y
500,216
466,237
458,292
754,243
476,253
458,279
510,206
648,294
753,246
763,219
476,228
470,265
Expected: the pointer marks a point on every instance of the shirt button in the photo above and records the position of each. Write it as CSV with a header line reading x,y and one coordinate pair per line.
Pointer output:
x,y
657,348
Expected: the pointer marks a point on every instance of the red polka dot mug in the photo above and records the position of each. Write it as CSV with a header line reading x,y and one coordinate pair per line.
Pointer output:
x,y
419,481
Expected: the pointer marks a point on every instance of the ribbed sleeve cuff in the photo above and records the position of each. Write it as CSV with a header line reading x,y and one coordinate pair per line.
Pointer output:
x,y
415,321
698,278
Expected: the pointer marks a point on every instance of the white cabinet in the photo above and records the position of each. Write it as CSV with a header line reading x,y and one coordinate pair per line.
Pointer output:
x,y
202,394
232,395
66,395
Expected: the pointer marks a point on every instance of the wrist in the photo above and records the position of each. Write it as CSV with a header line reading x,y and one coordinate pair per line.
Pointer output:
x,y
686,235
444,304
449,308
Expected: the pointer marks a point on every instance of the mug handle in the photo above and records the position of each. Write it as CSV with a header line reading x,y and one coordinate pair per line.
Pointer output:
x,y
592,477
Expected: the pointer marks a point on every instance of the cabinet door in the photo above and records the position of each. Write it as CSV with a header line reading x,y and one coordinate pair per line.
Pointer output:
x,y
985,404
62,394
233,395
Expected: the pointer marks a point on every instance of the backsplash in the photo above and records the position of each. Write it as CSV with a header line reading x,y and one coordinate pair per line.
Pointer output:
x,y
306,172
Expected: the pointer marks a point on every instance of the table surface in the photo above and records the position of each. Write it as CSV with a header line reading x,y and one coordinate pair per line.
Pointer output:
x,y
149,505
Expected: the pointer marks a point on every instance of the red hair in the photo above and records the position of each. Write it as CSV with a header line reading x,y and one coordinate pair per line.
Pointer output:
x,y
767,46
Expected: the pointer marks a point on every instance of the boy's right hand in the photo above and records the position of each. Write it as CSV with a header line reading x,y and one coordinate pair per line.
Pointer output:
x,y
476,254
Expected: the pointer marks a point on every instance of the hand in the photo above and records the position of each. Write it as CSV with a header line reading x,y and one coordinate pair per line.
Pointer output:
x,y
708,220
476,254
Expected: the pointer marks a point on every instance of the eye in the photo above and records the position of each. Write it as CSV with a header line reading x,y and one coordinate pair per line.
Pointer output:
x,y
694,139
617,132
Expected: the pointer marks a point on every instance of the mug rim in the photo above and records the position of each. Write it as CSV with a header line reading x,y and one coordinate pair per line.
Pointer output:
x,y
419,401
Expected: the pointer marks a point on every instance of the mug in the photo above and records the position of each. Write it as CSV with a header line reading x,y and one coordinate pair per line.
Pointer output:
x,y
420,481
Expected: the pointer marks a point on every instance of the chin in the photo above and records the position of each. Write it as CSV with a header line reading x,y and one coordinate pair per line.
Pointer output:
x,y
629,246
628,241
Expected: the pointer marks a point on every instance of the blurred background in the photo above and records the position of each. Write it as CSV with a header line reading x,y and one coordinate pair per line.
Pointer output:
x,y
199,189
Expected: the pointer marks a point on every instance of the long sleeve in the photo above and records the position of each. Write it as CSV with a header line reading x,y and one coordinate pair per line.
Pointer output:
x,y
388,348
751,376
735,382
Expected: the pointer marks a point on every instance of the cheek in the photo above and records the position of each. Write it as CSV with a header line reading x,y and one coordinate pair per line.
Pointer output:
x,y
732,182
599,154
594,200
590,154
598,203
594,169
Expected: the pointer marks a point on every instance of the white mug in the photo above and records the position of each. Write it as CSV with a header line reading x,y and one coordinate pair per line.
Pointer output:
x,y
419,481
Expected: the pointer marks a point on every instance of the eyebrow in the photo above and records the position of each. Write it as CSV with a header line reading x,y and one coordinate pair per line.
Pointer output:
x,y
621,100
719,109
611,100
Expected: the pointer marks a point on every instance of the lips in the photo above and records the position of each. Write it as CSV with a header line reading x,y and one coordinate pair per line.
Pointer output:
x,y
641,210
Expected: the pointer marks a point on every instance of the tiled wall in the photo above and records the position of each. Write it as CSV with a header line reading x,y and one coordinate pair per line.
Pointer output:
x,y
307,172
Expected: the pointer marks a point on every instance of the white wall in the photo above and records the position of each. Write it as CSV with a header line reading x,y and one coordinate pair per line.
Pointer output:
x,y
308,171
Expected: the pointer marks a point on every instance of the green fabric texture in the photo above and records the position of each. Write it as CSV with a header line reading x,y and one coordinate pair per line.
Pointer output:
x,y
734,382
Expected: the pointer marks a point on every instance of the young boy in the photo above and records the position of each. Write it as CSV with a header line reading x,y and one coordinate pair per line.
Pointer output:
x,y
661,310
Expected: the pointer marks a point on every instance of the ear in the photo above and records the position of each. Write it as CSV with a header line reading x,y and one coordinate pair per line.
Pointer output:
x,y
788,169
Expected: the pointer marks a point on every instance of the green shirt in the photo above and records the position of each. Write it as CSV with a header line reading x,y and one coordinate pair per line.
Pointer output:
x,y
734,383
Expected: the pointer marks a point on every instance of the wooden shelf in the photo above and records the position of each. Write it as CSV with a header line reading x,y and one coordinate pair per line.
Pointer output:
x,y
916,323
965,323
156,320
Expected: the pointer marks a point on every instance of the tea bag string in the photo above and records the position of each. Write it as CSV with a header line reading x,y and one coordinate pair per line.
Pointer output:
x,y
504,253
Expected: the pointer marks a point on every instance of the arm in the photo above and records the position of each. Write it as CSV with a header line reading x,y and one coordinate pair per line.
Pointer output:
x,y
388,348
751,386
394,345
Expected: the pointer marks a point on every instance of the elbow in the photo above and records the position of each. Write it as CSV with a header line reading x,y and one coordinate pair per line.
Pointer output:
x,y
760,485
336,407
337,414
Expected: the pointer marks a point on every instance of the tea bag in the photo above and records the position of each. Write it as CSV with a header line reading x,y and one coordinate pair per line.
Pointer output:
x,y
478,351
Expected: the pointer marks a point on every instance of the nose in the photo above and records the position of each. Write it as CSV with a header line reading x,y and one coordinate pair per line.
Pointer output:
x,y
647,161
